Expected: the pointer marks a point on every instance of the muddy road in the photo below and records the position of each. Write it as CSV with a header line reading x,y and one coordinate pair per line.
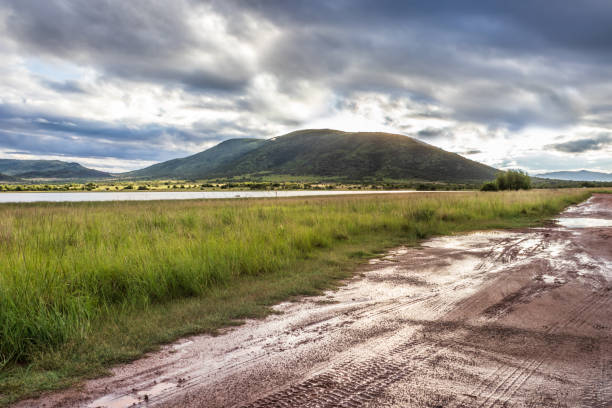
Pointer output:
x,y
489,319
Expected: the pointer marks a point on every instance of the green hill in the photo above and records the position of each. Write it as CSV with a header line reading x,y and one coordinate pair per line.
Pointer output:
x,y
5,178
325,153
201,164
48,169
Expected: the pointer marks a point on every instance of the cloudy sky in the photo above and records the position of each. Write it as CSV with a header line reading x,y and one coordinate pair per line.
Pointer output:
x,y
117,85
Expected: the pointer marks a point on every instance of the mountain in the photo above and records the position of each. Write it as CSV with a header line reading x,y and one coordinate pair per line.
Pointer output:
x,y
582,175
326,153
4,178
200,164
48,169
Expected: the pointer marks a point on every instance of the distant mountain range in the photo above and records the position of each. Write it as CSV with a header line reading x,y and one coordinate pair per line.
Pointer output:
x,y
582,175
324,153
48,169
4,177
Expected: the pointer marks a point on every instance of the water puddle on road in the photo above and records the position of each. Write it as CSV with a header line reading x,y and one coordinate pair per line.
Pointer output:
x,y
125,401
584,222
113,401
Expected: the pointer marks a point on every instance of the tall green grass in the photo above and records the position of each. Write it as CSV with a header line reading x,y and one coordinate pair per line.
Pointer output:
x,y
63,266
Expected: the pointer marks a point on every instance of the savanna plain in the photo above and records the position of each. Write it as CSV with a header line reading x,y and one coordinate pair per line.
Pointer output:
x,y
87,286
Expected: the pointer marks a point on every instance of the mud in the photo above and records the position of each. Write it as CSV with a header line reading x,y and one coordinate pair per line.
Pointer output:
x,y
489,319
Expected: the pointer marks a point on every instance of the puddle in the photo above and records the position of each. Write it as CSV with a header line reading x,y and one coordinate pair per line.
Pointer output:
x,y
583,222
157,389
124,401
114,401
182,345
551,280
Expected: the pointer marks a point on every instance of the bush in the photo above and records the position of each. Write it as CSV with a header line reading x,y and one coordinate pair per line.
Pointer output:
x,y
513,180
489,186
509,180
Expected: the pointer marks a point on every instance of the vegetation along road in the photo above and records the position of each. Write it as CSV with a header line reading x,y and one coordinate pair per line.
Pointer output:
x,y
486,314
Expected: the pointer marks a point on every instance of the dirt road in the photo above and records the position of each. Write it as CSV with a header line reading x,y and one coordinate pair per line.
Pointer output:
x,y
490,319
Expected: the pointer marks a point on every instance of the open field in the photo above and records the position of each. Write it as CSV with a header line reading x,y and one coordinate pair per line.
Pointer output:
x,y
514,318
237,184
91,284
265,183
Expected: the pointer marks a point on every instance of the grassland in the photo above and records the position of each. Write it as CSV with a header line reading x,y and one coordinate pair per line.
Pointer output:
x,y
265,183
235,184
87,285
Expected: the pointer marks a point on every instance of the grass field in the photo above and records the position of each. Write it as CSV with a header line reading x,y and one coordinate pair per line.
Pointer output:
x,y
87,285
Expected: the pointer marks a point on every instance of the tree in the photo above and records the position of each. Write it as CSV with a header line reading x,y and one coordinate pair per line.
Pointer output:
x,y
509,180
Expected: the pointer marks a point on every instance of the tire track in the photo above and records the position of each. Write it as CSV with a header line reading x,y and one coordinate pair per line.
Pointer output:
x,y
598,393
514,379
491,384
353,384
370,313
531,366
506,259
194,382
356,390
190,381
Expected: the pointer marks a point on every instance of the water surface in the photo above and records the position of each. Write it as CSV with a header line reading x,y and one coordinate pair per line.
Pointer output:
x,y
27,197
584,222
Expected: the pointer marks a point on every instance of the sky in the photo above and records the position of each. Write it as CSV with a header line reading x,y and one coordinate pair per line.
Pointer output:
x,y
118,85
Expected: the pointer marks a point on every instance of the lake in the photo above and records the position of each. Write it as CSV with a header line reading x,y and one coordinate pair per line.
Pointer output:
x,y
33,197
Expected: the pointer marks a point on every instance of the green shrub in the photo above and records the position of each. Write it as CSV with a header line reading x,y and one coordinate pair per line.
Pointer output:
x,y
509,180
513,180
489,186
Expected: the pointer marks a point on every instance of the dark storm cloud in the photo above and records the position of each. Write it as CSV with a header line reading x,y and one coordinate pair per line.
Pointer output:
x,y
567,24
320,40
138,40
584,145
390,46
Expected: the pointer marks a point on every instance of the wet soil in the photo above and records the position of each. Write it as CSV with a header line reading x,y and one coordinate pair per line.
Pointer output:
x,y
488,319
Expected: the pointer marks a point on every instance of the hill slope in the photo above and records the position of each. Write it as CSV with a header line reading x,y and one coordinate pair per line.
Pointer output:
x,y
4,177
201,164
51,169
325,153
582,175
332,153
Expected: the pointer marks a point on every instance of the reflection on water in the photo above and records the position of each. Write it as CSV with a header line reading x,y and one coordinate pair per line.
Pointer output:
x,y
170,195
584,222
